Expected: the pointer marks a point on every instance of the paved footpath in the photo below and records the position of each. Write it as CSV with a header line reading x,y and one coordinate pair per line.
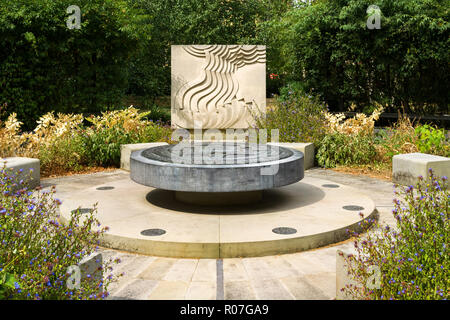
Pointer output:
x,y
304,275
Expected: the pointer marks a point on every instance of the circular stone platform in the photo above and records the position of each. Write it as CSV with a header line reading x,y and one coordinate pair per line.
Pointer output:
x,y
301,216
216,167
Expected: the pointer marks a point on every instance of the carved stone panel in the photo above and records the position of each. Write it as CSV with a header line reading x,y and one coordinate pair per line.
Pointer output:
x,y
217,86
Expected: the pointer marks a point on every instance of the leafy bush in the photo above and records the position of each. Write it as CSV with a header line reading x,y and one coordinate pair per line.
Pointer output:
x,y
298,118
342,149
413,258
62,143
103,145
157,113
112,129
67,153
286,91
36,250
328,47
360,124
432,140
400,138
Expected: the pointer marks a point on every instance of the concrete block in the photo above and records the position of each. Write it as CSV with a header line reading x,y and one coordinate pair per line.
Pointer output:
x,y
406,168
306,148
127,149
27,169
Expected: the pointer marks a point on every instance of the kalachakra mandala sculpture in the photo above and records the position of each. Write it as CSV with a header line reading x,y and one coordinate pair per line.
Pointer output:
x,y
217,86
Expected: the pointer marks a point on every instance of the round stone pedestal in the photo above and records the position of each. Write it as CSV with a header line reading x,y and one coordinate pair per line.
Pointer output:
x,y
219,198
216,167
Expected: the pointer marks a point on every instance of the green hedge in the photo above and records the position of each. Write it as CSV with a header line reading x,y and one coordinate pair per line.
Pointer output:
x,y
46,66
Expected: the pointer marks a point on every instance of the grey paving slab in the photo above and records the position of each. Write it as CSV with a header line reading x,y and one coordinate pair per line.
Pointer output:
x,y
239,290
271,289
302,289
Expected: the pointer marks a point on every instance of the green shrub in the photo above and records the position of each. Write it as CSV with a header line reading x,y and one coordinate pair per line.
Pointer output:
x,y
341,149
36,250
67,153
158,113
398,139
298,117
413,258
102,146
432,140
286,91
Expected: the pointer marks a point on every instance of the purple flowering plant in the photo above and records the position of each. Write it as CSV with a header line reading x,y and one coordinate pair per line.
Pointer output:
x,y
37,249
413,258
298,117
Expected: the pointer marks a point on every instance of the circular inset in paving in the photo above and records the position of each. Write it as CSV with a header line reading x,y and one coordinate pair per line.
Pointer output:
x,y
284,230
353,208
330,185
83,210
105,188
153,232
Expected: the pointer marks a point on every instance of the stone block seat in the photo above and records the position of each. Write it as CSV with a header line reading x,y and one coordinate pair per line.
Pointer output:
x,y
406,168
21,167
127,149
306,148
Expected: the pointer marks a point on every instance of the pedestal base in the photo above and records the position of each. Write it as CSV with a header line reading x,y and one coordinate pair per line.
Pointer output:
x,y
219,198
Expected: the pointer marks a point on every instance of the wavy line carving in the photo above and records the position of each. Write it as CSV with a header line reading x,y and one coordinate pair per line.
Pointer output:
x,y
211,99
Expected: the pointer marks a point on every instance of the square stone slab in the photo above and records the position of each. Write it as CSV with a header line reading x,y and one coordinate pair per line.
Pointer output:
x,y
217,86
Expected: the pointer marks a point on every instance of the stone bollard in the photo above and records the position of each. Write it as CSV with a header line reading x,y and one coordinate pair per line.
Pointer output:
x,y
127,149
406,168
26,169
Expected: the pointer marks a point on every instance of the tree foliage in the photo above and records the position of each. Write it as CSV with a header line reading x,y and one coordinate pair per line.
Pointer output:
x,y
328,47
46,66
177,22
